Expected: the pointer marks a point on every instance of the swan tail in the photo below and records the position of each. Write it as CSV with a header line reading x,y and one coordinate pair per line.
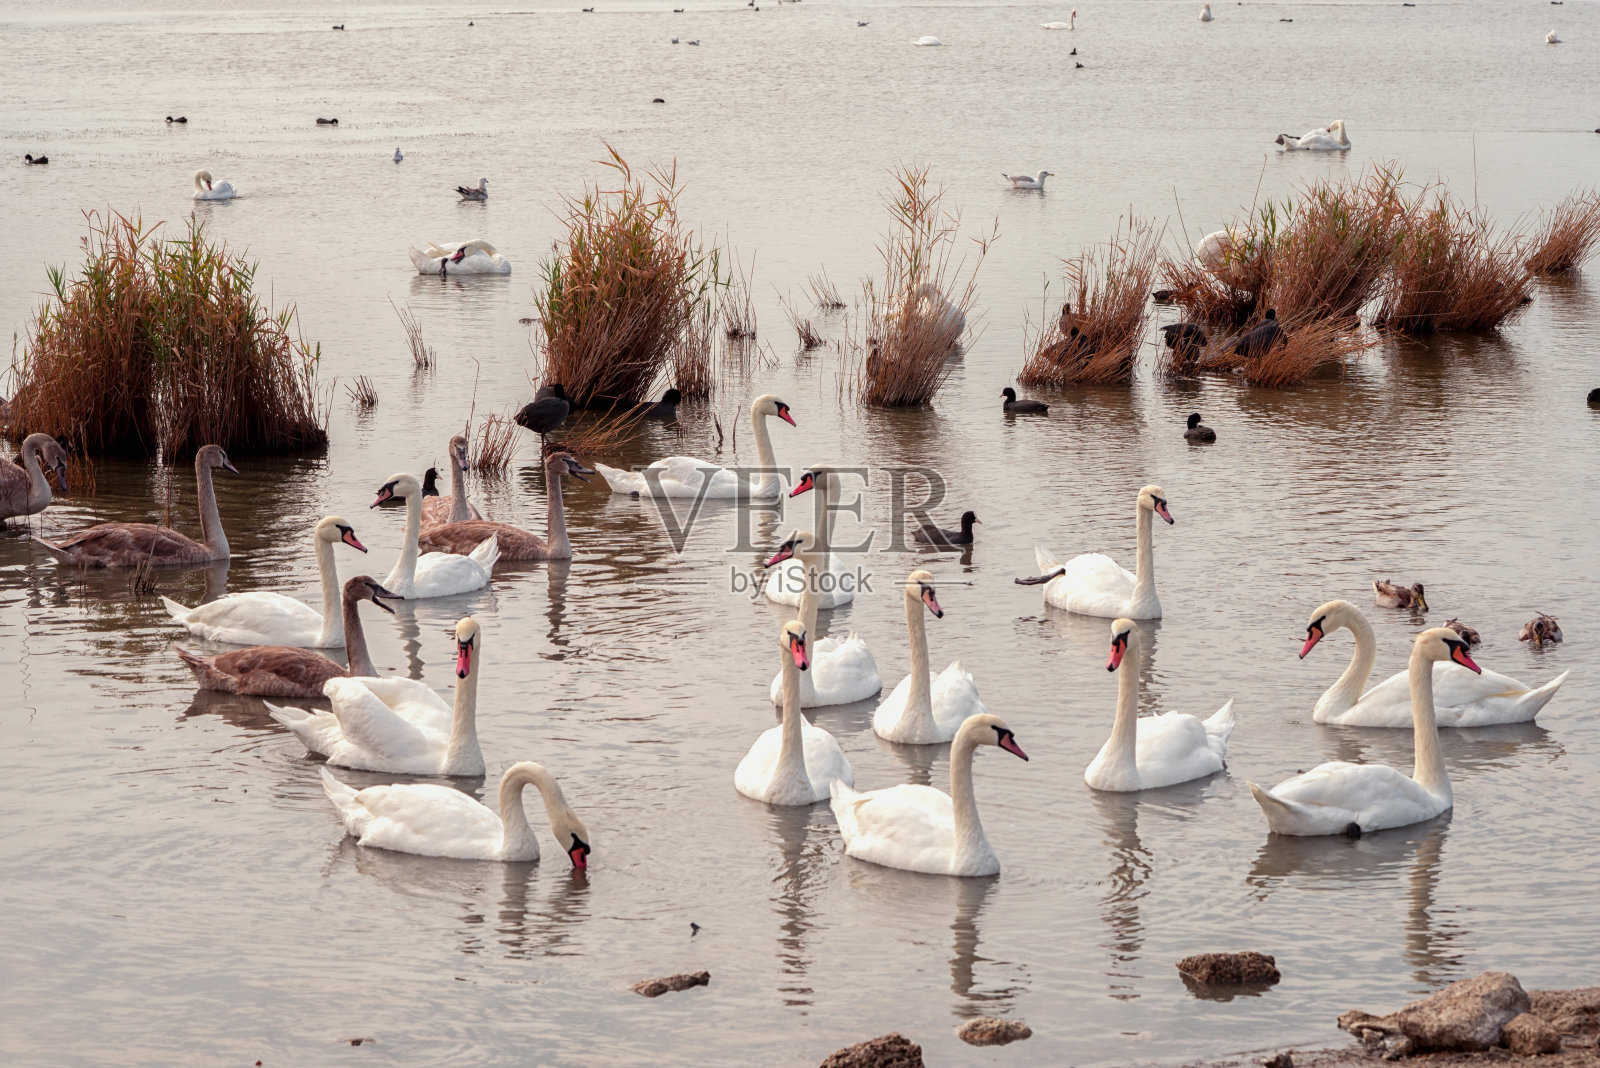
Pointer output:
x,y
205,673
487,552
292,718
1285,817
177,611
341,794
1045,558
1534,700
842,798
420,261
1219,725
302,723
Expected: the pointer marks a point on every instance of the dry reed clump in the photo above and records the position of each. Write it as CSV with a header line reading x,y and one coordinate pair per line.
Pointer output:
x,y
497,442
824,294
363,394
1096,337
693,360
620,288
1450,272
1568,236
423,358
1308,347
809,338
927,297
1329,256
163,345
1205,298
738,311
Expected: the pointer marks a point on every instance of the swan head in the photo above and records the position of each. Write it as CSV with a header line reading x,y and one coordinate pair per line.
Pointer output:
x,y
1194,420
568,829
986,728
1122,631
400,486
466,647
458,451
919,585
1154,499
1325,620
801,541
808,481
367,588
770,404
1442,643
559,462
793,638
334,529
214,456
52,455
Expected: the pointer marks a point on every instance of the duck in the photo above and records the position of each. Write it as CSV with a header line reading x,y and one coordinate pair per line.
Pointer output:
x,y
437,510
480,193
440,821
1023,181
24,490
842,669
432,574
327,122
1185,340
665,408
179,119
925,709
1353,799
1551,38
547,411
148,545
291,670
398,155
683,476
1093,584
1323,139
262,617
792,764
1149,752
1386,594
1259,339
1205,13
464,537
1012,406
928,41
1540,629
460,257
397,724
30,160
206,189
1462,698
945,537
1464,631
919,828
1198,431
837,583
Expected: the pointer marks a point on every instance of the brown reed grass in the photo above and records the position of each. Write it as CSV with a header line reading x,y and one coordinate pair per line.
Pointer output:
x,y
363,394
693,359
162,345
1095,340
423,358
824,294
1310,347
496,443
620,287
1328,256
809,338
1568,236
1451,272
737,309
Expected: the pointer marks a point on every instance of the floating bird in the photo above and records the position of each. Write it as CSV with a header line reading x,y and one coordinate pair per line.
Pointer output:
x,y
927,42
859,23
1540,630
1551,38
657,100
480,193
1286,20
1093,584
694,928
1073,52
1198,431
1070,24
205,189
665,408
1466,632
1594,394
466,257
1388,595
35,161
1185,340
544,414
946,536
1323,139
1012,406
1022,181
327,122
340,26
674,40
694,42
398,155
1259,339
180,118
1077,66
1205,13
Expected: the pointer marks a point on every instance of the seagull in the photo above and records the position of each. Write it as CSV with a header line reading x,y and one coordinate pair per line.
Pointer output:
x,y
480,193
398,155
1023,181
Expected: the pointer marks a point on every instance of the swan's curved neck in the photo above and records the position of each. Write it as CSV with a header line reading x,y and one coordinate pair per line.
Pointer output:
x,y
38,485
1429,771
463,757
1144,577
402,580
791,753
517,838
919,702
767,481
458,492
970,842
210,523
555,516
333,629
1122,749
810,566
1352,684
355,639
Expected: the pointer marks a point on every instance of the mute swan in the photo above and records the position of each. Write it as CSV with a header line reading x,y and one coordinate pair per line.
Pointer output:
x,y
1387,594
792,764
1093,584
1012,406
397,724
266,618
461,257
441,821
842,670
1198,431
835,584
1023,181
464,537
925,301
1223,255
683,476
1148,752
136,544
24,490
926,709
932,535
1329,139
437,511
1462,698
1551,38
923,42
1070,24
1344,798
918,828
398,155
1205,12
480,193
433,574
205,189
291,671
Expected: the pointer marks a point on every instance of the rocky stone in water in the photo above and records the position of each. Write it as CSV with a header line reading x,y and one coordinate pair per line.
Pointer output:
x,y
1468,1015
1570,1012
1528,1035
654,988
993,1031
1230,969
1282,1060
892,1050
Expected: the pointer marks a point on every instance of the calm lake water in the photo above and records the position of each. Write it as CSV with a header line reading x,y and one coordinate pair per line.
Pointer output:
x,y
177,888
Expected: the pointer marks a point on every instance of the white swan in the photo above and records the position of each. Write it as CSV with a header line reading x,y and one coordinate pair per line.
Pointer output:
x,y
1070,24
1205,13
397,724
1344,798
1551,38
441,821
1461,698
792,764
926,709
842,670
460,257
1093,584
432,574
267,618
206,189
1023,181
918,828
1329,139
925,301
1153,751
929,41
836,584
1223,255
684,476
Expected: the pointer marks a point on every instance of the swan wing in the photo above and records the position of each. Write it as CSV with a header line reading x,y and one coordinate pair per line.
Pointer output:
x,y
1175,747
1045,559
429,820
443,574
1092,584
1461,698
415,702
843,670
1330,797
907,826
825,761
954,696
375,737
259,618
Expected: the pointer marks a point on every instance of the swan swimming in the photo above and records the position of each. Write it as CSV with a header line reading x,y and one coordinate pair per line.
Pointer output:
x,y
206,189
927,42
1070,24
842,670
684,476
1551,38
792,764
1205,13
926,709
1093,584
460,257
1323,139
1023,181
